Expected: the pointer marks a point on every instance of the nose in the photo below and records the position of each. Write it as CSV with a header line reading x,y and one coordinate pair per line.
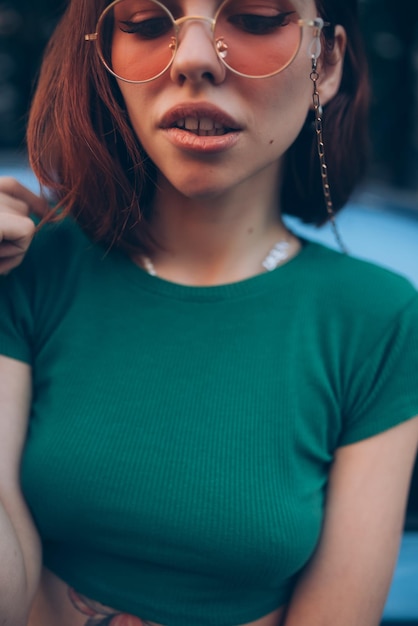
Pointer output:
x,y
196,60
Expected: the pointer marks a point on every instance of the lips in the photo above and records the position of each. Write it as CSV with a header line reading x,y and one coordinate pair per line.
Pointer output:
x,y
205,121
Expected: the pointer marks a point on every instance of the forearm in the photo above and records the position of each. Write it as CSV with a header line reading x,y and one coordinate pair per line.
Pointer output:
x,y
20,550
20,564
343,601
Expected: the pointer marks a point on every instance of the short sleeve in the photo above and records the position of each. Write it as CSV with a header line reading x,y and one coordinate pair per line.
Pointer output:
x,y
32,298
383,391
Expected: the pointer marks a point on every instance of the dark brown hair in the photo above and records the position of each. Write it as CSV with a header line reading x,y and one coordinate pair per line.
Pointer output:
x,y
83,149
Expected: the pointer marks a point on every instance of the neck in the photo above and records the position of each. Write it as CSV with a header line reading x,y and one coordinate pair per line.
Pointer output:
x,y
214,240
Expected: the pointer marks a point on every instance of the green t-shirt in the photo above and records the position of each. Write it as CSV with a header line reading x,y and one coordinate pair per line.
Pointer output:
x,y
180,437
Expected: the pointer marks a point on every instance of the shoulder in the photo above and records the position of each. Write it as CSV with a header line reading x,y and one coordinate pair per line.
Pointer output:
x,y
59,270
56,241
356,285
368,316
53,266
58,250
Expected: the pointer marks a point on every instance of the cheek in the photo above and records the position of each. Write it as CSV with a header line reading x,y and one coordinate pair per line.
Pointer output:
x,y
127,58
136,105
283,109
119,56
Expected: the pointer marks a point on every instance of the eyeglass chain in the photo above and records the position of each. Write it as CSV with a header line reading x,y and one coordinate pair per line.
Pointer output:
x,y
314,76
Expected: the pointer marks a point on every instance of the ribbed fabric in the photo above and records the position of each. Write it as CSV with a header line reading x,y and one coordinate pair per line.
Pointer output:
x,y
180,437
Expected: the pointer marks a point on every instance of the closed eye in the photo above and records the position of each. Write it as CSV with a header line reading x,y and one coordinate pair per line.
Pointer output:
x,y
151,28
255,24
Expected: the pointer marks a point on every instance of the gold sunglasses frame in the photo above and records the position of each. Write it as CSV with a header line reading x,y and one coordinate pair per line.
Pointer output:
x,y
314,51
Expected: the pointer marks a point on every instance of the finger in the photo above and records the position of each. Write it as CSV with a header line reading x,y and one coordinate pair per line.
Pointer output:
x,y
8,264
10,204
16,233
35,204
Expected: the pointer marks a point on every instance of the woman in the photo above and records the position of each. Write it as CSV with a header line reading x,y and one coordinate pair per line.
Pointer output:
x,y
205,419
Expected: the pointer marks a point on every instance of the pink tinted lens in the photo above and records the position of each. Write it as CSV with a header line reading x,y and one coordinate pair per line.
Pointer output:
x,y
258,37
137,39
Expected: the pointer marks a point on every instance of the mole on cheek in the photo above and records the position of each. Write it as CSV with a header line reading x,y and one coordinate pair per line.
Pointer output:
x,y
271,141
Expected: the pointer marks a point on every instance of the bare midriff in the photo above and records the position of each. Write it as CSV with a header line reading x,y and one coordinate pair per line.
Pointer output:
x,y
56,603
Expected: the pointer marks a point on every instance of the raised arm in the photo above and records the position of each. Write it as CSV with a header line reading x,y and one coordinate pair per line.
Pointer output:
x,y
348,578
16,227
20,553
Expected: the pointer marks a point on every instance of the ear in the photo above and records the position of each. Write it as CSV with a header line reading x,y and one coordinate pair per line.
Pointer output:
x,y
331,65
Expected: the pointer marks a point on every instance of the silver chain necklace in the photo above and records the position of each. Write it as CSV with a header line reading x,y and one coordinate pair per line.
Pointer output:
x,y
277,255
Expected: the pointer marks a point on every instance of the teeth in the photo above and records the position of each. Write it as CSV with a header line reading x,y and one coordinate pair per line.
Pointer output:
x,y
203,127
206,124
191,123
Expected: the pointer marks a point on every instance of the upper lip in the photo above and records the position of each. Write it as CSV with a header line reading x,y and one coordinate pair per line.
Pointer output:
x,y
199,111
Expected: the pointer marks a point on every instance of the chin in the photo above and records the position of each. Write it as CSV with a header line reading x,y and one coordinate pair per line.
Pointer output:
x,y
200,186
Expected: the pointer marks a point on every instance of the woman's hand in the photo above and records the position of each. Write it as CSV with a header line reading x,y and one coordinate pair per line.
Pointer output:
x,y
16,227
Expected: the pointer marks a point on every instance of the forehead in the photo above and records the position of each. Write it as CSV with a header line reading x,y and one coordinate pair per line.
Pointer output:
x,y
305,8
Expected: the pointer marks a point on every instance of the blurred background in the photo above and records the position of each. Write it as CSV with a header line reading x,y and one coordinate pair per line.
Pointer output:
x,y
381,221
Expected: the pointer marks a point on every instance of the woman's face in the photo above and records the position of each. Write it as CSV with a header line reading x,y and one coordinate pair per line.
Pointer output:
x,y
207,129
